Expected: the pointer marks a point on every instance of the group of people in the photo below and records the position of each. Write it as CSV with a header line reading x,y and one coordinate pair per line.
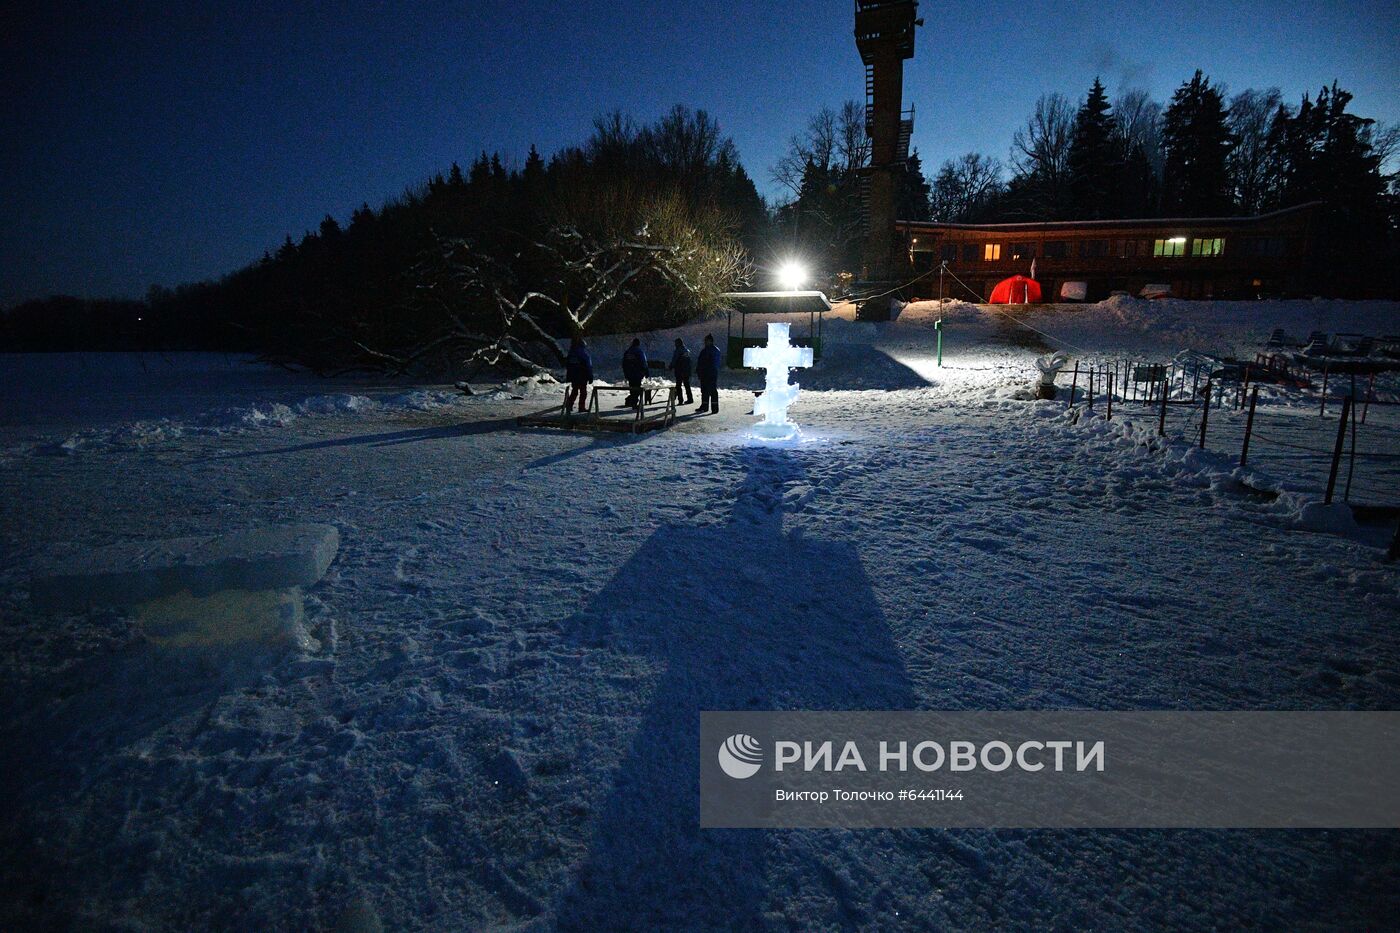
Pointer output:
x,y
578,367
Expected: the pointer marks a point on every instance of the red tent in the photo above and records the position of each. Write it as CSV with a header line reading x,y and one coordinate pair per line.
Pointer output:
x,y
1016,290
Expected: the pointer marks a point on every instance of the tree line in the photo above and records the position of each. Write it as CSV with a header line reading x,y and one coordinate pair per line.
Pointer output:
x,y
1205,153
641,226
644,225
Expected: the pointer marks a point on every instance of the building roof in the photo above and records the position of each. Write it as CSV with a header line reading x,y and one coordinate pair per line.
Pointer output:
x,y
1113,224
776,302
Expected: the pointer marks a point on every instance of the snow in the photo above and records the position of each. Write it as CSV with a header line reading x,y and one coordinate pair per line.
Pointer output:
x,y
130,572
492,719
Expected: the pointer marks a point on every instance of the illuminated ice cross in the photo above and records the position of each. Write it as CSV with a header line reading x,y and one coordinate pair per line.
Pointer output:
x,y
777,358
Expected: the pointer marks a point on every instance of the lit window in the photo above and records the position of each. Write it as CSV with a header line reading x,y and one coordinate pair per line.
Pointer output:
x,y
1207,246
991,251
1176,246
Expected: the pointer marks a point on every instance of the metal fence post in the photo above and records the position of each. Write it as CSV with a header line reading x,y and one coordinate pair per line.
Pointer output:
x,y
1205,415
1323,411
1351,459
1073,383
1249,425
1162,419
1110,396
1337,450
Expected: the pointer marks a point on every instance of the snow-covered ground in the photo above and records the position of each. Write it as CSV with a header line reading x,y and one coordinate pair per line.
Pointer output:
x,y
496,723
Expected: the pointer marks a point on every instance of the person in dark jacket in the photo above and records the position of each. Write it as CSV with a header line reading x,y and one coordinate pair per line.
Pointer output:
x,y
634,370
707,371
680,368
578,372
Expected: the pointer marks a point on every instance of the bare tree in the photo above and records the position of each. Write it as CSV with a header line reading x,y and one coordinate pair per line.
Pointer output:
x,y
1137,122
1385,144
686,142
1249,119
472,308
1040,155
964,185
817,146
852,141
614,139
1041,147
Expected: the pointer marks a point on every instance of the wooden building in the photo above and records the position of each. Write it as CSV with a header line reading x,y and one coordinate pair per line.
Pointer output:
x,y
1215,257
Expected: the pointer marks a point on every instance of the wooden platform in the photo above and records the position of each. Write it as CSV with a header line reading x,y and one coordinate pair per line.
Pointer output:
x,y
656,411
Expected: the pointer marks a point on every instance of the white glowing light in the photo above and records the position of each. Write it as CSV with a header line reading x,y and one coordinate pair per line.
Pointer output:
x,y
792,275
776,358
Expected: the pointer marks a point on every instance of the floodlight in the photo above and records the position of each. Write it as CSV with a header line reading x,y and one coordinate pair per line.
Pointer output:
x,y
792,275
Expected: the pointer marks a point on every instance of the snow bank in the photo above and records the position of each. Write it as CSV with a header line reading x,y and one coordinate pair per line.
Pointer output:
x,y
234,420
132,572
1129,324
536,386
1128,443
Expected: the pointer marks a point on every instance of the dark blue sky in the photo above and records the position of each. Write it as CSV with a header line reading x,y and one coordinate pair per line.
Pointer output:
x,y
164,142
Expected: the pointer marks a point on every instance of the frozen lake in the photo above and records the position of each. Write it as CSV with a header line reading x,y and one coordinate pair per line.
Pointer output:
x,y
79,390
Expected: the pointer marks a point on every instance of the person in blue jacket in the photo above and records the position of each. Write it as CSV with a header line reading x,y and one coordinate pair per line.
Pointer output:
x,y
707,371
634,370
680,368
578,372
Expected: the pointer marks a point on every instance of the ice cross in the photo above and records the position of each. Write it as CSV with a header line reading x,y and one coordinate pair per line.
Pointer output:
x,y
776,358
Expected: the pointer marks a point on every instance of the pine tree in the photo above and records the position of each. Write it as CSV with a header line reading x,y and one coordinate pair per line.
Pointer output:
x,y
1196,180
1093,169
1137,185
480,172
1322,153
534,166
1251,113
913,203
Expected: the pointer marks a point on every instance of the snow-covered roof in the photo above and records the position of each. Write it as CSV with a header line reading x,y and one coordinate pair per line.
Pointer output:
x,y
791,302
1133,222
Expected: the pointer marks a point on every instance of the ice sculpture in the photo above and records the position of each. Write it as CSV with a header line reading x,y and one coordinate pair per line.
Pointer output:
x,y
776,358
1049,367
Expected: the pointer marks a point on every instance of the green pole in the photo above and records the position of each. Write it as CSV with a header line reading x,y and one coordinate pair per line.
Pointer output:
x,y
938,326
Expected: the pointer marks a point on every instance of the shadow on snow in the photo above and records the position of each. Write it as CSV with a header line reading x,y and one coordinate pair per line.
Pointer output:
x,y
743,615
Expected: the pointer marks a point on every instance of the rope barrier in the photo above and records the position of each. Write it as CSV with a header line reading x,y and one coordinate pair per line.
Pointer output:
x,y
891,291
1018,320
970,291
1312,450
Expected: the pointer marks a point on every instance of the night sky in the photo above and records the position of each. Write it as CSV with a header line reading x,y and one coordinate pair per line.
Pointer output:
x,y
154,143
